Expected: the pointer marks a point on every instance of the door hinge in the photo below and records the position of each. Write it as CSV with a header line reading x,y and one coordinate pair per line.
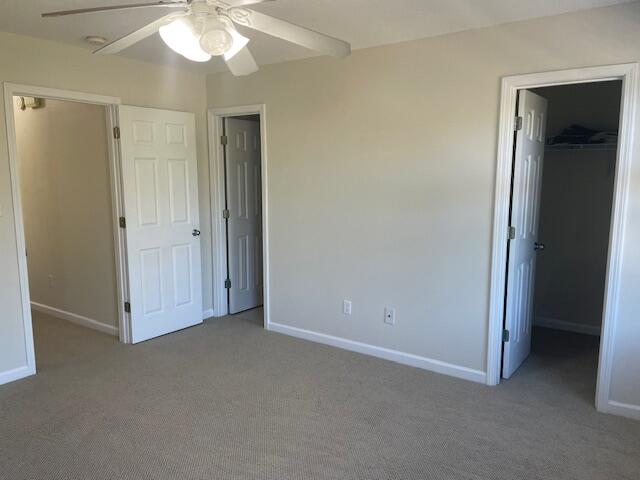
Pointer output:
x,y
116,132
518,124
227,283
224,140
505,335
127,307
122,222
512,233
226,213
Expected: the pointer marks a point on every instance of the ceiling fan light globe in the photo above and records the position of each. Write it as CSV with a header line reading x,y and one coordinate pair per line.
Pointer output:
x,y
216,42
180,37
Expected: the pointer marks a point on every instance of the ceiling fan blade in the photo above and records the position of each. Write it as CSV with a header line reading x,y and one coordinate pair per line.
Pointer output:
x,y
242,63
135,36
243,3
129,6
290,32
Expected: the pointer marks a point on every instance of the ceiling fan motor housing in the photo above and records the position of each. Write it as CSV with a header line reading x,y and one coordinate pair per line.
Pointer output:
x,y
215,38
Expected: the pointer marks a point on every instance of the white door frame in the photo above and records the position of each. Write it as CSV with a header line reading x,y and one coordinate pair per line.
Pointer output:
x,y
628,73
216,117
111,106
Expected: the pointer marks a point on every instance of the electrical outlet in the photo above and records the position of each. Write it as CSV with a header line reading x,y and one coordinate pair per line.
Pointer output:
x,y
390,315
51,280
346,307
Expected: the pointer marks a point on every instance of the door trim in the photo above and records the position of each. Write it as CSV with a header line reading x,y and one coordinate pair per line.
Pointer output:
x,y
628,73
216,179
111,107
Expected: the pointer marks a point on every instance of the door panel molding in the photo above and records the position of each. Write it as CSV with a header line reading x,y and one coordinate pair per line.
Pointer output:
x,y
217,181
525,201
245,213
628,73
159,165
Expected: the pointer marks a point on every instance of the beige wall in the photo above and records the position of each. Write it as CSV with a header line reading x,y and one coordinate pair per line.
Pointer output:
x,y
37,62
66,208
575,215
381,182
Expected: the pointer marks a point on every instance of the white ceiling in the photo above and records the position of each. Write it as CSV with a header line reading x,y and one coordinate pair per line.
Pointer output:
x,y
364,23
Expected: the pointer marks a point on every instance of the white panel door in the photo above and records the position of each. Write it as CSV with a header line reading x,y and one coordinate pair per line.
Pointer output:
x,y
244,202
525,208
160,189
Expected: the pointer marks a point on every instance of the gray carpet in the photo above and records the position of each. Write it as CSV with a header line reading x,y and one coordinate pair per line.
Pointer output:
x,y
228,400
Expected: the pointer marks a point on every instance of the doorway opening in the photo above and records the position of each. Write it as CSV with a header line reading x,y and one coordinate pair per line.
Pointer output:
x,y
564,166
578,202
63,164
65,197
238,161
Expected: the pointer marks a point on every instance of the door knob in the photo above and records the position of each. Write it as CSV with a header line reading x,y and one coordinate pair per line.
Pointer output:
x,y
538,246
196,232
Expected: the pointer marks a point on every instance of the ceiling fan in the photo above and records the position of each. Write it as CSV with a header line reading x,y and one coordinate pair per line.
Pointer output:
x,y
201,29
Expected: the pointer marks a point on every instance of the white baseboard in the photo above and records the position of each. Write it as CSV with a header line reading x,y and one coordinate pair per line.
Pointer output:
x,y
16,374
623,409
219,312
75,318
207,313
380,352
567,326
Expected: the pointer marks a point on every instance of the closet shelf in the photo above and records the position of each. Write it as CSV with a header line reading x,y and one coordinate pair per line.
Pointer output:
x,y
582,146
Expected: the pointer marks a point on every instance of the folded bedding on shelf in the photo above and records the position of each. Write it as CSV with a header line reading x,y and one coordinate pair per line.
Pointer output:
x,y
577,134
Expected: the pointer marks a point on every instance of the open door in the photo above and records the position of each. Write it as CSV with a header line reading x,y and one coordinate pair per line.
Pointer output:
x,y
244,203
160,192
525,207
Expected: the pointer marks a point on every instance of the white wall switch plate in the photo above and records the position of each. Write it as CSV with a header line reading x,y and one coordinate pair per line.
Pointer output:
x,y
346,307
390,315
